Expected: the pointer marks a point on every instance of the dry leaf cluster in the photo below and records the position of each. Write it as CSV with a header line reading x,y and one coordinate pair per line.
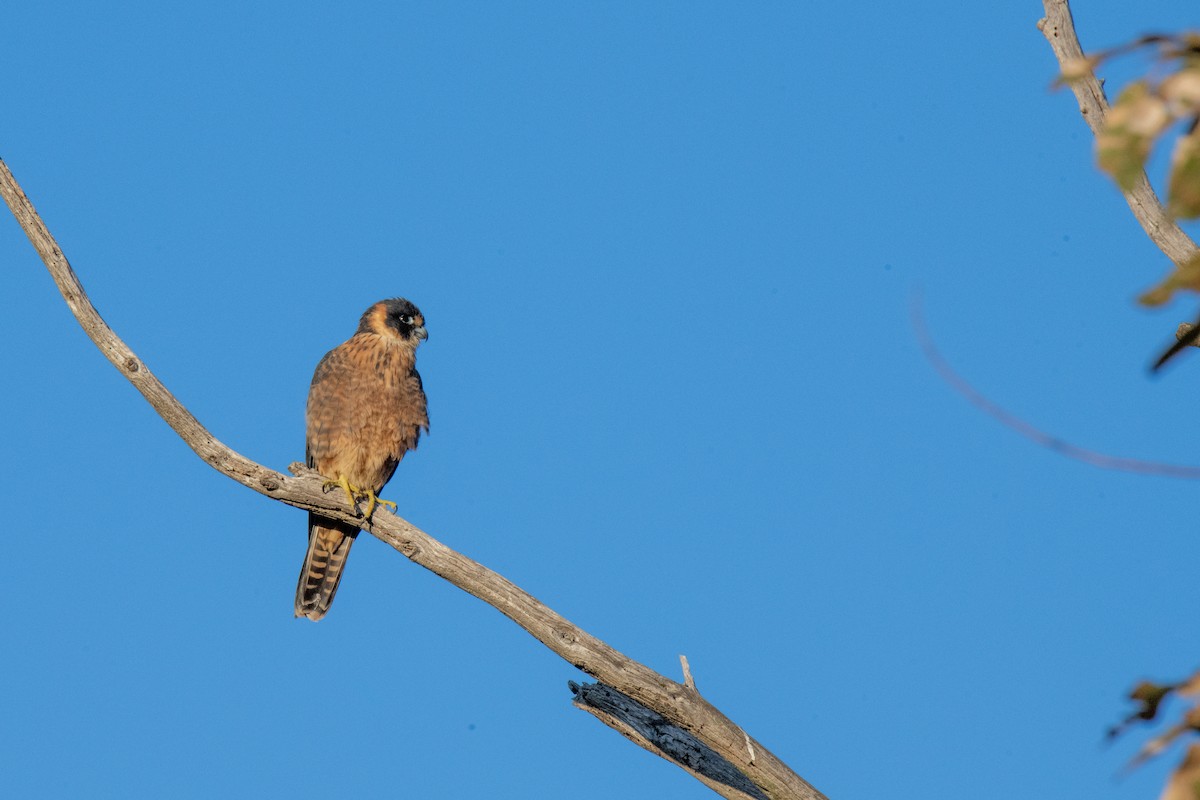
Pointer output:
x,y
1162,105
1150,698
1165,103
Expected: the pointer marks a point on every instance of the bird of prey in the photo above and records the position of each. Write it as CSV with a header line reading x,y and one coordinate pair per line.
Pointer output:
x,y
366,409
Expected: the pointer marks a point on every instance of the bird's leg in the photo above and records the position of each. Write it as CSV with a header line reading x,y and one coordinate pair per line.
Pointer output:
x,y
352,492
373,500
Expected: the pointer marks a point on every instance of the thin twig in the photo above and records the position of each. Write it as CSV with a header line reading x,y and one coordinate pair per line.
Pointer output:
x,y
682,708
1047,440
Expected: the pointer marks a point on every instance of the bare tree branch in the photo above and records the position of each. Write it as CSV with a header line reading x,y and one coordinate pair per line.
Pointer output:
x,y
680,706
1059,30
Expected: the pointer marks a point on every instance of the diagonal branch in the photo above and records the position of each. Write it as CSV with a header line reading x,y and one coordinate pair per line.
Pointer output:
x,y
685,710
1059,30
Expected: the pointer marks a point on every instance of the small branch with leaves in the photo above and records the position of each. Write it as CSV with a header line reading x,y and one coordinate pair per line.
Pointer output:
x,y
1145,112
1150,699
1127,132
728,767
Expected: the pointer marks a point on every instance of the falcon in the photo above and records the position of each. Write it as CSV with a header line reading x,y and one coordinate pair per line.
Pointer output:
x,y
366,409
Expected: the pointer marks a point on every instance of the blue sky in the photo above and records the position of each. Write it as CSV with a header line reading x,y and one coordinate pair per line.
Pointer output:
x,y
665,253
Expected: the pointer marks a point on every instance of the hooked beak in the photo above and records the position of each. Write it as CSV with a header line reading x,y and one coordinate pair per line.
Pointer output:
x,y
421,333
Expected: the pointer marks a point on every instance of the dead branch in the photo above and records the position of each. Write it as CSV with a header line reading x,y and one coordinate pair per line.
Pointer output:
x,y
652,732
681,707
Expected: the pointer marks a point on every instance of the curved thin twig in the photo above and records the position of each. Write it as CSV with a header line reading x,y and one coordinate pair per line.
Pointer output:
x,y
673,701
1023,428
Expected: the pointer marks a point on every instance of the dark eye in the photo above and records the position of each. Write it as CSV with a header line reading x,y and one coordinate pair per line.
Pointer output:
x,y
406,319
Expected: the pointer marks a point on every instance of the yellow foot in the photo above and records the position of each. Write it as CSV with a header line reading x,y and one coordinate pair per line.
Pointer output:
x,y
352,491
355,493
373,500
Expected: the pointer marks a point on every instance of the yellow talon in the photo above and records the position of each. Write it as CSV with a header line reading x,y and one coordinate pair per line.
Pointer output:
x,y
355,493
352,492
373,500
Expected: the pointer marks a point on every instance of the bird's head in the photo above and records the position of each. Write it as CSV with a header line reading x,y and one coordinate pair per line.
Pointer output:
x,y
395,319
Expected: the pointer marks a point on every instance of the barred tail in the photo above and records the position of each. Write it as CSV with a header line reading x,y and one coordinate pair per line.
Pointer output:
x,y
328,546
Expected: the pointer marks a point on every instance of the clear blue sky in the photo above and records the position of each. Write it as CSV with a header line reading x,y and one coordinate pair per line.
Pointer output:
x,y
665,253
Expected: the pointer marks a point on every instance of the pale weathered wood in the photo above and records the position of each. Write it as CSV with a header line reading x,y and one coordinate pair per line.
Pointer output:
x,y
677,704
1059,30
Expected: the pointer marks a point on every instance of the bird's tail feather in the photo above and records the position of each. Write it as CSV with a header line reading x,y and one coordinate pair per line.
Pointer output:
x,y
328,546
